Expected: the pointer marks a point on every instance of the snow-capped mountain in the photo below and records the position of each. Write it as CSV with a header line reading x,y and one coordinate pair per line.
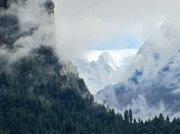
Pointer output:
x,y
98,74
152,83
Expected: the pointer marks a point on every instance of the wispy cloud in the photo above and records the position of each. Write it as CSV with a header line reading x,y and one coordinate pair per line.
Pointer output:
x,y
36,27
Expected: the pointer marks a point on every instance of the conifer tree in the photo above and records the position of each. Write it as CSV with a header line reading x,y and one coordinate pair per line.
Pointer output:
x,y
130,116
126,117
167,119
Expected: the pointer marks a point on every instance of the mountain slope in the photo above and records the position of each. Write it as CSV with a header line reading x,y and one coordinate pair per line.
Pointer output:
x,y
98,74
36,99
151,84
38,92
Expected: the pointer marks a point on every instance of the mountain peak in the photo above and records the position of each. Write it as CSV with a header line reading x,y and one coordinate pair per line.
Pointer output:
x,y
105,56
153,74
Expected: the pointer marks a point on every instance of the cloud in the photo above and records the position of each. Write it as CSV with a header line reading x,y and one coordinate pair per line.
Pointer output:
x,y
142,110
121,57
82,24
35,27
177,91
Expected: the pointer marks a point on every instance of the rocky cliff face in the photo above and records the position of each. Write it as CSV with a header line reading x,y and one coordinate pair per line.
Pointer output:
x,y
27,43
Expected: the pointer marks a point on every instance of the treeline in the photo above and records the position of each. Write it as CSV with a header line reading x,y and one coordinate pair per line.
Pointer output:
x,y
71,114
36,99
158,125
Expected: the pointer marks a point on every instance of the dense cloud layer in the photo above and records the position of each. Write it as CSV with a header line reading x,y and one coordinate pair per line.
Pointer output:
x,y
91,24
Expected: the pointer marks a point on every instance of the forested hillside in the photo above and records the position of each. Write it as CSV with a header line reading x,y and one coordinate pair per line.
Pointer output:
x,y
36,99
39,96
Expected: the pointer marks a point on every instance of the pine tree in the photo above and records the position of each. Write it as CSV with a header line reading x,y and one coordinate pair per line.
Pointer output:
x,y
161,117
167,119
130,116
126,117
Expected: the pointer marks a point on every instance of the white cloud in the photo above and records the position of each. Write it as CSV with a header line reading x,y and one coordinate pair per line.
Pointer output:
x,y
177,91
35,24
121,56
82,23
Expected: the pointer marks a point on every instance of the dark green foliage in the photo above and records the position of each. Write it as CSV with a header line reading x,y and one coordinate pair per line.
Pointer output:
x,y
49,5
36,99
130,116
3,3
6,3
9,29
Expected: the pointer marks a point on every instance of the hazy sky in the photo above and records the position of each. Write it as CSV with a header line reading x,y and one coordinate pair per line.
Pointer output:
x,y
108,24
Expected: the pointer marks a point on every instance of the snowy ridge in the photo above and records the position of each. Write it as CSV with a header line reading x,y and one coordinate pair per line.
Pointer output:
x,y
98,74
151,83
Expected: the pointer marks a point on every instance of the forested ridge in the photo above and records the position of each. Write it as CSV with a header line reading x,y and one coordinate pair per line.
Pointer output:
x,y
36,99
37,96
